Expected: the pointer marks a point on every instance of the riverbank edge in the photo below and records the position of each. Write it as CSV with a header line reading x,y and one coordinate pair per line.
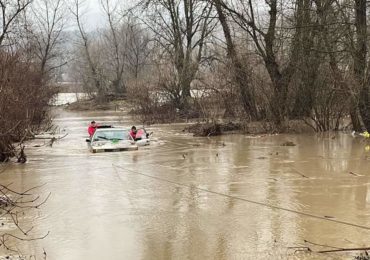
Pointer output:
x,y
248,128
197,126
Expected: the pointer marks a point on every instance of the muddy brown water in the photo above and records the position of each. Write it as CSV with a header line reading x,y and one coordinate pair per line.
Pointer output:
x,y
227,197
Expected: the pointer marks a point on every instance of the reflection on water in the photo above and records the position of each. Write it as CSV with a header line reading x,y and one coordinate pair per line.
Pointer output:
x,y
104,206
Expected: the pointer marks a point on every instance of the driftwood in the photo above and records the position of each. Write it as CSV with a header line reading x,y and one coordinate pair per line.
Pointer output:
x,y
50,136
299,173
355,174
288,143
212,129
51,142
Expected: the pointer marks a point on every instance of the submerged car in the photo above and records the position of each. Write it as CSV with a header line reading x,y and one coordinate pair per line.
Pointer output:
x,y
111,140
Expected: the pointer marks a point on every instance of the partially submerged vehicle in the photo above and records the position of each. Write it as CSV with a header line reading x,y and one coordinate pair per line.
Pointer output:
x,y
111,140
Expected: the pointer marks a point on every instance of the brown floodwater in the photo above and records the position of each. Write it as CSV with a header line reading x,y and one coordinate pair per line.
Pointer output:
x,y
184,197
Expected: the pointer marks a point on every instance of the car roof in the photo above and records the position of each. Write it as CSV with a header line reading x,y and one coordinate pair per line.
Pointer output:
x,y
112,129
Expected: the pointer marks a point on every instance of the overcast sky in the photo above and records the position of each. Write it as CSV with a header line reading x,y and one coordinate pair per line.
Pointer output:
x,y
94,16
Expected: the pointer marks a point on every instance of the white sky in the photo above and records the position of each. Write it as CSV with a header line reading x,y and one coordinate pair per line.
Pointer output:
x,y
95,17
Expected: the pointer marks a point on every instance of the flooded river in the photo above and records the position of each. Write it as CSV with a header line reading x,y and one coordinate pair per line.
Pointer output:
x,y
228,197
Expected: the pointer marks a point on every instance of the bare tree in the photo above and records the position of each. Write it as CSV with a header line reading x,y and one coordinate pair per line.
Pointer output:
x,y
240,73
10,12
360,60
24,97
115,44
345,35
49,22
138,48
92,65
125,45
266,40
181,27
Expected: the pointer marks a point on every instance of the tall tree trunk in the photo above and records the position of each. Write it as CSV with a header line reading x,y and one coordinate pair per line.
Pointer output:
x,y
240,75
281,78
360,62
185,79
92,66
309,64
353,112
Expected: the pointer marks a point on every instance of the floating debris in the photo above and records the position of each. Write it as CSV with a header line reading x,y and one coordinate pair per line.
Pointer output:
x,y
355,174
288,143
5,202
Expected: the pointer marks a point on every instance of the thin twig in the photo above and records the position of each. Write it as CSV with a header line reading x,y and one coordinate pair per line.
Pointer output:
x,y
355,174
300,248
27,239
40,204
299,173
13,191
312,243
345,249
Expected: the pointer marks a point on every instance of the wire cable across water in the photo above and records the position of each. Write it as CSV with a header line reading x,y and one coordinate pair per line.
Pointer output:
x,y
247,200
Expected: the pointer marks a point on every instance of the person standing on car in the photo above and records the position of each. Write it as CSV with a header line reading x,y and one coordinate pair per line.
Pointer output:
x,y
91,129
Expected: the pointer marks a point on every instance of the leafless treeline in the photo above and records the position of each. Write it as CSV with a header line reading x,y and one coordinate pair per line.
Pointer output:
x,y
259,60
256,60
30,40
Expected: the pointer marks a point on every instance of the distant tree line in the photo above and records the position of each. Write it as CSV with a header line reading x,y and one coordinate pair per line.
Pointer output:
x,y
258,60
253,60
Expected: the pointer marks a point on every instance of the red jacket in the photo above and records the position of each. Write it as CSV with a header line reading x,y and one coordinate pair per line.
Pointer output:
x,y
91,130
133,134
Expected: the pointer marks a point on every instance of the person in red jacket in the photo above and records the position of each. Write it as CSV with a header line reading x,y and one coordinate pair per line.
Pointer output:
x,y
91,129
138,134
133,132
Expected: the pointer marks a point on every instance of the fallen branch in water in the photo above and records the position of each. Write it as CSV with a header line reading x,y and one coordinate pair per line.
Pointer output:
x,y
51,136
13,210
299,173
28,239
333,250
355,174
345,249
52,140
20,193
316,244
300,248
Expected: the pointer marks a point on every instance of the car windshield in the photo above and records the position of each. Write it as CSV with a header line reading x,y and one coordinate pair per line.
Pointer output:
x,y
111,135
